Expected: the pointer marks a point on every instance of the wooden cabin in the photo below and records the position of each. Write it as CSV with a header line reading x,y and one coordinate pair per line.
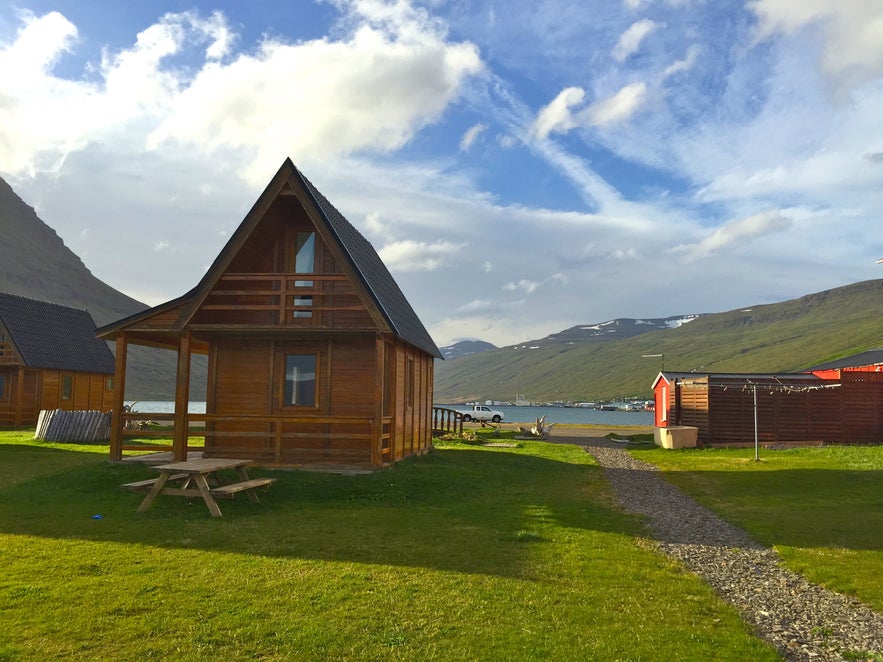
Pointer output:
x,y
50,359
315,357
791,408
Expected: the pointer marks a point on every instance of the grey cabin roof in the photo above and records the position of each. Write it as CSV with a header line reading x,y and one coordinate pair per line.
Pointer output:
x,y
870,357
54,337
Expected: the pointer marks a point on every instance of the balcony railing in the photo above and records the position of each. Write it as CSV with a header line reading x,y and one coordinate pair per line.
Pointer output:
x,y
301,300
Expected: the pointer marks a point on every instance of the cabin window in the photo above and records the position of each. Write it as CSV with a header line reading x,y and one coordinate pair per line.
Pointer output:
x,y
305,257
2,388
300,380
67,387
300,301
108,384
663,401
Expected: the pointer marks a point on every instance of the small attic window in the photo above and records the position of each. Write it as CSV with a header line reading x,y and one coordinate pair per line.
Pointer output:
x,y
305,257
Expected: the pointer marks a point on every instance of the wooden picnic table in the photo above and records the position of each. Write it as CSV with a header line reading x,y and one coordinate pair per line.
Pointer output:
x,y
192,479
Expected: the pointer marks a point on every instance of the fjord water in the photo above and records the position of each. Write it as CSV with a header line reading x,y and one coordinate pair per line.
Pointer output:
x,y
582,415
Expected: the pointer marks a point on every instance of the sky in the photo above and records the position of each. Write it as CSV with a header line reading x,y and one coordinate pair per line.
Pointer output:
x,y
521,166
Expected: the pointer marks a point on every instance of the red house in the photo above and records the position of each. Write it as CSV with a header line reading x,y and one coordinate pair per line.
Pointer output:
x,y
790,408
315,357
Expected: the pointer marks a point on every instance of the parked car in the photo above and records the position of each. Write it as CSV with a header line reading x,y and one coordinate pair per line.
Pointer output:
x,y
479,413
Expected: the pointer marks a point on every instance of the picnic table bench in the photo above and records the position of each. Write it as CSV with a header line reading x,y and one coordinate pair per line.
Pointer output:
x,y
199,478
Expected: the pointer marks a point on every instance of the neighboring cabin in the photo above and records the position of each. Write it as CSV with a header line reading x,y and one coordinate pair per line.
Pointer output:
x,y
315,357
50,359
839,402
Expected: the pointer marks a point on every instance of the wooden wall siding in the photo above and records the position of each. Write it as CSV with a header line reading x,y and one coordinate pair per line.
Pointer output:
x,y
242,376
849,413
246,417
688,404
161,320
30,390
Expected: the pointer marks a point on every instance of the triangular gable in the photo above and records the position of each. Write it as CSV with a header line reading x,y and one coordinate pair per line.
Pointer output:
x,y
366,271
374,285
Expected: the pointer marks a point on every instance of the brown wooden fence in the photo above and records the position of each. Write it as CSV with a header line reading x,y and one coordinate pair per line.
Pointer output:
x,y
849,410
77,426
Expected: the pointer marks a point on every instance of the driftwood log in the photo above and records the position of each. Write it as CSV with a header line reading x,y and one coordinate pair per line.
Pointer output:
x,y
538,431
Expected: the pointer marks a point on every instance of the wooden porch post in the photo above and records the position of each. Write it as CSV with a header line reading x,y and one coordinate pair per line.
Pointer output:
x,y
119,397
182,399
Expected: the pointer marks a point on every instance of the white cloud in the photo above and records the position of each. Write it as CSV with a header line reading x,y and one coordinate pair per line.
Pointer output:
x,y
160,246
409,255
559,117
738,231
476,306
687,63
630,40
853,30
526,286
530,286
618,108
376,225
373,89
36,130
471,136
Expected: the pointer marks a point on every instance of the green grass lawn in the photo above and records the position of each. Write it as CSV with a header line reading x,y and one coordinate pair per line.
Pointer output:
x,y
466,553
820,507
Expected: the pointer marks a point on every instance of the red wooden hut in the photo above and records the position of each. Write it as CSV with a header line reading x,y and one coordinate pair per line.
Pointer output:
x,y
50,359
315,357
790,408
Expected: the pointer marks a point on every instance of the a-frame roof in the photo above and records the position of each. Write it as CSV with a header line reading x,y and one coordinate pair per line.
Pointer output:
x,y
54,337
363,260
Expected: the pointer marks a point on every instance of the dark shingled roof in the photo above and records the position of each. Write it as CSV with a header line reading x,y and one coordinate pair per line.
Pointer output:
x,y
54,337
376,277
870,357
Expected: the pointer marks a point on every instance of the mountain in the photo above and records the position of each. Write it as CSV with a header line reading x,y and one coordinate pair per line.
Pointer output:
x,y
465,348
581,364
35,263
617,329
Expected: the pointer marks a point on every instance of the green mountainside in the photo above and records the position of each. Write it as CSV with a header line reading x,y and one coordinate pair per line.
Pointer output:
x,y
780,337
35,263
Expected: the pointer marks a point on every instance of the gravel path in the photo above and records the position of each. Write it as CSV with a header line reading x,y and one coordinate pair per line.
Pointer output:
x,y
802,620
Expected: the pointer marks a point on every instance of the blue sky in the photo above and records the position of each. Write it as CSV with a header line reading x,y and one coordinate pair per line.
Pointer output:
x,y
521,166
